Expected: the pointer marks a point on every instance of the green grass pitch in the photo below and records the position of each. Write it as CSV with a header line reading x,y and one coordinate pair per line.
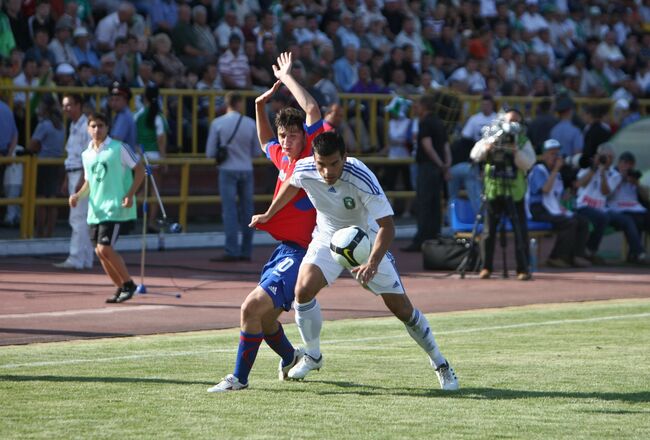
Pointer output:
x,y
578,371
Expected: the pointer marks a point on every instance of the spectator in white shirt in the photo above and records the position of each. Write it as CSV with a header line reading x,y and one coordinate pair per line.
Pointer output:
x,y
474,125
60,45
408,35
113,26
234,67
532,20
226,28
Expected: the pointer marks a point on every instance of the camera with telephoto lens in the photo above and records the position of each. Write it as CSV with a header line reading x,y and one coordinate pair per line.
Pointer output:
x,y
503,136
602,160
634,174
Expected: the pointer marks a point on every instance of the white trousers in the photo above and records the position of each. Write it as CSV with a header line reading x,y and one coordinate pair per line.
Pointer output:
x,y
81,249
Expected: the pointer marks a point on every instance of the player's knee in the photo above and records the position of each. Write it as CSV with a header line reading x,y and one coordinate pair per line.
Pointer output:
x,y
102,251
304,294
399,305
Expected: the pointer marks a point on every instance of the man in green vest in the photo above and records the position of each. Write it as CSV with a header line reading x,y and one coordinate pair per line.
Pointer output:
x,y
508,156
112,174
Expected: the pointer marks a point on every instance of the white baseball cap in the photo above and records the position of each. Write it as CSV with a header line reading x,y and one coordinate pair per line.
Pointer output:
x,y
551,144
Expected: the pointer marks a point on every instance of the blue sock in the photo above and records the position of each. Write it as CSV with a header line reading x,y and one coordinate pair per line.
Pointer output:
x,y
246,354
280,344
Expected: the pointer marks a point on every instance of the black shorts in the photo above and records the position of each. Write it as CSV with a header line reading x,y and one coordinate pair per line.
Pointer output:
x,y
106,233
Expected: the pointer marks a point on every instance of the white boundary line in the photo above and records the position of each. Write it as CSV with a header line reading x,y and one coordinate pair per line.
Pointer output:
x,y
102,311
339,341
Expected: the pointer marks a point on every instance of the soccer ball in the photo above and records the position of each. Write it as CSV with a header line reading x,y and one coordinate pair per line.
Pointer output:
x,y
350,247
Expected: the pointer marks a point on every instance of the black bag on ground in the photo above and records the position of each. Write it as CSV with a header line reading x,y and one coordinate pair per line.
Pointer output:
x,y
446,253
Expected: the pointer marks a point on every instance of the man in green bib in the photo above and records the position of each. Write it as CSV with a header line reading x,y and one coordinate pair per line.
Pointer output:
x,y
112,174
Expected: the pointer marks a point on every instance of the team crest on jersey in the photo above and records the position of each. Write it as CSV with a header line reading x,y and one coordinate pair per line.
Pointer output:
x,y
99,169
348,202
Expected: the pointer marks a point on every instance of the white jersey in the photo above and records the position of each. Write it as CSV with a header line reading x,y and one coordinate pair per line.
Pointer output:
x,y
356,199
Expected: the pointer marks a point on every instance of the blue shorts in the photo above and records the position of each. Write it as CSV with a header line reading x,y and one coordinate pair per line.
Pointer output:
x,y
280,273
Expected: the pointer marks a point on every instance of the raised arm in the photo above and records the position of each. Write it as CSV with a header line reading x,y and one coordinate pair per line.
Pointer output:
x,y
282,71
264,129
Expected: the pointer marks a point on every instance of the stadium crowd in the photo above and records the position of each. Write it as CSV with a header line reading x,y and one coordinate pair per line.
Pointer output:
x,y
560,49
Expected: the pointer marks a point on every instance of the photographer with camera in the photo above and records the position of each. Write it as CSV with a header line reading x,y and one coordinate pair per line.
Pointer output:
x,y
508,155
630,197
545,189
595,185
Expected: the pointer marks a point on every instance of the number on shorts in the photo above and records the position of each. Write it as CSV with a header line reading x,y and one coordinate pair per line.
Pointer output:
x,y
284,264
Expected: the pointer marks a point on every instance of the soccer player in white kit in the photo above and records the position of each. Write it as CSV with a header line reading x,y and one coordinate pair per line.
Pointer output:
x,y
346,193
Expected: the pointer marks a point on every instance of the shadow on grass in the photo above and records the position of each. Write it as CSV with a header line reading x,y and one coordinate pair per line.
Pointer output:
x,y
100,379
477,393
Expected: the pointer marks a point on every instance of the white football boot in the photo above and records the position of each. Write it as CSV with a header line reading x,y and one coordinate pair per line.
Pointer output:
x,y
447,377
284,371
304,366
228,383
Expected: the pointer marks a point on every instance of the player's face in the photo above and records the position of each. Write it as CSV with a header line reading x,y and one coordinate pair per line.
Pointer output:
x,y
97,131
292,141
330,167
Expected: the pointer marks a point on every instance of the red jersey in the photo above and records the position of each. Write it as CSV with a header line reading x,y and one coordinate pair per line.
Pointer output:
x,y
296,220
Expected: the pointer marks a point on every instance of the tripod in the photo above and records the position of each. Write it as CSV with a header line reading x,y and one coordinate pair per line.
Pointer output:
x,y
471,259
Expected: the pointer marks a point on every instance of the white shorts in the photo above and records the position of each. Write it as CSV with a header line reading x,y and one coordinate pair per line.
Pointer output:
x,y
386,280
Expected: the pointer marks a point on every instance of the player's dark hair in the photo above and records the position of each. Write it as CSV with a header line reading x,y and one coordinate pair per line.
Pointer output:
x,y
98,116
233,98
328,143
290,118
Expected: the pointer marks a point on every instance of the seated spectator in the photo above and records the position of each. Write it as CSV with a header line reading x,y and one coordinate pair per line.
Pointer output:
x,y
262,65
205,40
470,75
398,83
105,75
163,15
233,66
375,37
227,27
185,42
60,44
82,50
595,185
631,197
320,80
40,50
113,26
334,120
397,61
65,75
165,58
346,72
42,19
545,189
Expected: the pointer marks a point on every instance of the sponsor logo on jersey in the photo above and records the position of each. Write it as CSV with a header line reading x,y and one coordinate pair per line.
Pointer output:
x,y
348,202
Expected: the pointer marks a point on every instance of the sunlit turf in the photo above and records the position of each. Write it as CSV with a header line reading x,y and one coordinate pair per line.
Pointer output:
x,y
560,371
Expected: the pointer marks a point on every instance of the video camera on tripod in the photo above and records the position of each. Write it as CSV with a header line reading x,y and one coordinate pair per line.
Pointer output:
x,y
502,135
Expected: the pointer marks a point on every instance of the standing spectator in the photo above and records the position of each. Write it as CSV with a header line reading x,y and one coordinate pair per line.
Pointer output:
x,y
545,198
47,142
233,66
60,45
123,128
113,26
505,188
596,132
8,133
595,185
81,249
163,15
237,133
152,132
565,132
539,129
433,158
112,176
82,50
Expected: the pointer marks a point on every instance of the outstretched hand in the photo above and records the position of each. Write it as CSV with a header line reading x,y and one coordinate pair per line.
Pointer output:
x,y
283,67
264,97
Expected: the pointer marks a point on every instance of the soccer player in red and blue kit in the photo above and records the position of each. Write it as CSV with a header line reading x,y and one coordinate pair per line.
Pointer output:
x,y
293,226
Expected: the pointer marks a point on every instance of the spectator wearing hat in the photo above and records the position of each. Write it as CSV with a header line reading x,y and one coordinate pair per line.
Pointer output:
x,y
64,75
233,66
123,128
60,45
595,185
82,50
565,132
545,201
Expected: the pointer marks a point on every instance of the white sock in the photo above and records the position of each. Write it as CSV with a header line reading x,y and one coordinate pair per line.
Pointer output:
x,y
310,322
419,329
